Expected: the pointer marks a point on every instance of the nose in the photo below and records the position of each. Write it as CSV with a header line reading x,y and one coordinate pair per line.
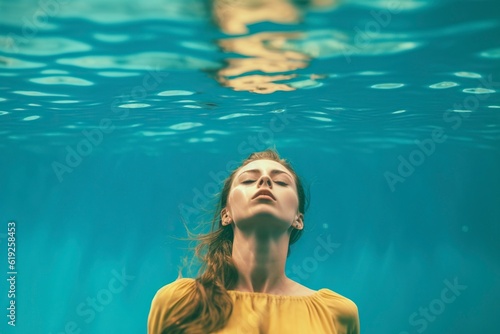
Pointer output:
x,y
264,179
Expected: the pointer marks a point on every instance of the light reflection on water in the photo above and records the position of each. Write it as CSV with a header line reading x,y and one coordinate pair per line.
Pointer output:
x,y
349,60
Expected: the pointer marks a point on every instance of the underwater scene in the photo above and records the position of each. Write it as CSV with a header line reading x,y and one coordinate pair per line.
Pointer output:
x,y
120,121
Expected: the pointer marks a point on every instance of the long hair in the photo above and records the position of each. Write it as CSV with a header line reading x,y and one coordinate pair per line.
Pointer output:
x,y
208,307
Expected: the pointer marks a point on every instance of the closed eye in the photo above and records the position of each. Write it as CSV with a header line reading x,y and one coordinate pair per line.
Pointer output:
x,y
281,183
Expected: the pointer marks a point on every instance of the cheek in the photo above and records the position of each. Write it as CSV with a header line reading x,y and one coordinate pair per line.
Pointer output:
x,y
292,200
237,196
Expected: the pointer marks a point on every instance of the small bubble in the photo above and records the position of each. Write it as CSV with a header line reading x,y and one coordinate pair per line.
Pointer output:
x,y
465,228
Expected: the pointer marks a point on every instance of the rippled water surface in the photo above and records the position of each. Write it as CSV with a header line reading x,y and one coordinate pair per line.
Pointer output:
x,y
116,115
365,75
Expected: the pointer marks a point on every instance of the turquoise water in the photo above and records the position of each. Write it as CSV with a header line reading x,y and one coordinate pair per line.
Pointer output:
x,y
119,118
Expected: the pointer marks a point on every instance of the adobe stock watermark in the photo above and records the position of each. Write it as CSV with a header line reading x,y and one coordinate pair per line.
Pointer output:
x,y
32,25
252,143
92,138
324,249
421,319
426,147
381,19
87,310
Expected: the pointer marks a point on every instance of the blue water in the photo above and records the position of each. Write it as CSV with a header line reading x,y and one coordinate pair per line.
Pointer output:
x,y
117,119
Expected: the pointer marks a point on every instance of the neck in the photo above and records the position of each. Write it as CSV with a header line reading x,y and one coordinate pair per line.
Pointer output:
x,y
260,261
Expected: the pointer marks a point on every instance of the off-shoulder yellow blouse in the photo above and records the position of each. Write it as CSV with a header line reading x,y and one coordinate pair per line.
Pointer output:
x,y
323,312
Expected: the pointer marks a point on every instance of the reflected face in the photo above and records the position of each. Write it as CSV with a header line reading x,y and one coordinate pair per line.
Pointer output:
x,y
263,193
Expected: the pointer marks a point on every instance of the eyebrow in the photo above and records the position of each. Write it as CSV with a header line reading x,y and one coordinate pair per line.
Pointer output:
x,y
273,172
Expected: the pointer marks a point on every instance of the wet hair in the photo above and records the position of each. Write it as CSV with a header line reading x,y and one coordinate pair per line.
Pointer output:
x,y
208,306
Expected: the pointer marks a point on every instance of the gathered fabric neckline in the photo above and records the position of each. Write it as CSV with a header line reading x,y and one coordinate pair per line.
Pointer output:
x,y
272,296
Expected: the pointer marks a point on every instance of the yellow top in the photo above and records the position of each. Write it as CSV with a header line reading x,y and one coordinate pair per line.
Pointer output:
x,y
323,312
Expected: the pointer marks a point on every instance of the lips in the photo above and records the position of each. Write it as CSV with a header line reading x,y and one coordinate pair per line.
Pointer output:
x,y
264,192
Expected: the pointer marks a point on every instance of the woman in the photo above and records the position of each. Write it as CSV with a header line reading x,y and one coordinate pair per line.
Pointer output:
x,y
243,287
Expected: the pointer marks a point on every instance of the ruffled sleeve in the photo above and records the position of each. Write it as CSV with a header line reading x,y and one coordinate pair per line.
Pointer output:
x,y
165,298
344,312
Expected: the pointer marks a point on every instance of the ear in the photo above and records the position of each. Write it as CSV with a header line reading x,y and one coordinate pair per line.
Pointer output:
x,y
225,217
299,221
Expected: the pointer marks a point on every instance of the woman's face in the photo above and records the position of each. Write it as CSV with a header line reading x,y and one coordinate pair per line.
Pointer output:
x,y
278,210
